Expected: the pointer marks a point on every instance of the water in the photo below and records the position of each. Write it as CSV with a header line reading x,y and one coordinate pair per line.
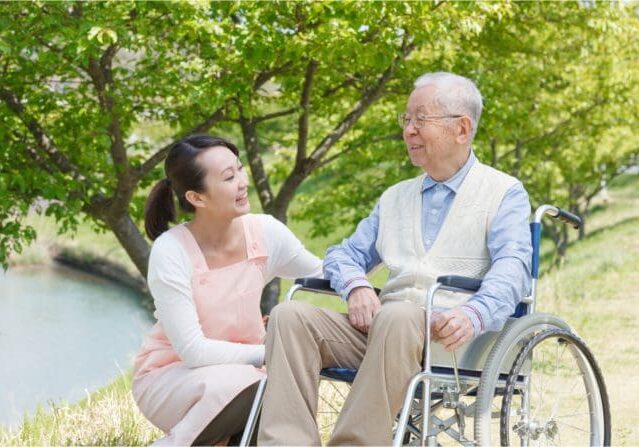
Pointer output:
x,y
62,334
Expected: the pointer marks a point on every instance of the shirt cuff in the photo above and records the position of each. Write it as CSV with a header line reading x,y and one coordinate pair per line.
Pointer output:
x,y
353,283
475,318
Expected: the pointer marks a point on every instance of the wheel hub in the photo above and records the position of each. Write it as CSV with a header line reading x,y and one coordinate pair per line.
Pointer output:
x,y
535,428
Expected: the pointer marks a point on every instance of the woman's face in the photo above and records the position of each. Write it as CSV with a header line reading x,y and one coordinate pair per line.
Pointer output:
x,y
225,184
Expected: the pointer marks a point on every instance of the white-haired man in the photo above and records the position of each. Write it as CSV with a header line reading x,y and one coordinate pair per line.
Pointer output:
x,y
459,217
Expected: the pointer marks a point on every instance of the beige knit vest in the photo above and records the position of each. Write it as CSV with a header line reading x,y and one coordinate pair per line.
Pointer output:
x,y
461,244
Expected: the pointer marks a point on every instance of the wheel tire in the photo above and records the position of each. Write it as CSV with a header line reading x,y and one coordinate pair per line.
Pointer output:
x,y
514,333
588,371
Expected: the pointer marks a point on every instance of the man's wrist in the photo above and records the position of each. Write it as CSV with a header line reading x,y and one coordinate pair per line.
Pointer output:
x,y
475,318
354,283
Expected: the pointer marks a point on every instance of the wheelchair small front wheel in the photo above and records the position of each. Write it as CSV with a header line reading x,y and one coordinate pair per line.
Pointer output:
x,y
555,394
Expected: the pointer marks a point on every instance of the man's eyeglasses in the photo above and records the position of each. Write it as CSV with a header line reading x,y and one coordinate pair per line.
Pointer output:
x,y
420,121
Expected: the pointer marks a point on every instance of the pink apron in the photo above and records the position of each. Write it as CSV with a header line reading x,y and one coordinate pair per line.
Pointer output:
x,y
182,401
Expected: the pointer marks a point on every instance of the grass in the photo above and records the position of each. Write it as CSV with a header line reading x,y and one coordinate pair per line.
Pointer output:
x,y
108,416
596,291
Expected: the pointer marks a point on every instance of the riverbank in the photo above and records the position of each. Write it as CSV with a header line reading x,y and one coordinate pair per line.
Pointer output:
x,y
86,250
103,267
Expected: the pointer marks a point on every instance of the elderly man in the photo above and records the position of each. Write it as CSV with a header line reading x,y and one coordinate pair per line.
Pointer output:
x,y
460,217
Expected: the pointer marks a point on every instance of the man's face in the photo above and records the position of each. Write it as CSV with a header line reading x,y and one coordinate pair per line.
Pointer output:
x,y
434,141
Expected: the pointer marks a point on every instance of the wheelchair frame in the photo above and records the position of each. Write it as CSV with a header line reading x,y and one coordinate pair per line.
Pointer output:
x,y
480,368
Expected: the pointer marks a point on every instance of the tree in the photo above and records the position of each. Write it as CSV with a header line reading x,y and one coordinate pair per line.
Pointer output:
x,y
77,78
311,89
559,85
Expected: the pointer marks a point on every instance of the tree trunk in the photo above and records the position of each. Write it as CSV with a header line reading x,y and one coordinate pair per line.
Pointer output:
x,y
493,153
132,241
562,245
271,292
270,295
582,215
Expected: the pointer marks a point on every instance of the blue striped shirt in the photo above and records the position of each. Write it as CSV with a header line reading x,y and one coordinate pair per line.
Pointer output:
x,y
508,279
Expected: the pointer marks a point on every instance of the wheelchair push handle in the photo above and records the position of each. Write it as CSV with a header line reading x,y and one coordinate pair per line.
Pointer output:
x,y
569,218
557,213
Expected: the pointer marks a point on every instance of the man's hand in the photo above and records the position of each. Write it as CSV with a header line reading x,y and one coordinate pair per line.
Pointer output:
x,y
363,304
452,328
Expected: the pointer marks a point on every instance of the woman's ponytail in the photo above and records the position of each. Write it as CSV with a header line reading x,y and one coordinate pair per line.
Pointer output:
x,y
159,210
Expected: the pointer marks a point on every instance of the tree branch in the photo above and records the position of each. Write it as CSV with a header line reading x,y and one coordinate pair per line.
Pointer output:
x,y
265,75
358,110
301,170
351,147
563,123
260,178
160,154
43,141
346,83
305,97
274,115
102,77
437,5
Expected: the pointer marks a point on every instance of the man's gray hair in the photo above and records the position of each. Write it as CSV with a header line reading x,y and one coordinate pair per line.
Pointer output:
x,y
454,95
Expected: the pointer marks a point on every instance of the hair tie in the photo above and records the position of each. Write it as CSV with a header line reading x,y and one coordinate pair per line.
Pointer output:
x,y
167,182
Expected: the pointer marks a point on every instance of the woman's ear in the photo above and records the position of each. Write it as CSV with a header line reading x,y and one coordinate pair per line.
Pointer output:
x,y
194,198
464,130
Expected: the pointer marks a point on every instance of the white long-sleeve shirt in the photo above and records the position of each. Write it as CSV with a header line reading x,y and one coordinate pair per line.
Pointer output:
x,y
169,279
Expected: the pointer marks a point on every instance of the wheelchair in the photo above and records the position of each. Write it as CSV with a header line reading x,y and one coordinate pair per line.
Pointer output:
x,y
533,383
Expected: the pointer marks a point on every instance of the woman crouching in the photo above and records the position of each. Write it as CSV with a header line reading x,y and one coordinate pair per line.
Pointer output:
x,y
197,373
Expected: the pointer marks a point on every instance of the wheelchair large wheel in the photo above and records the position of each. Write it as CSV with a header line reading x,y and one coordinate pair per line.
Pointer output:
x,y
332,395
491,388
555,394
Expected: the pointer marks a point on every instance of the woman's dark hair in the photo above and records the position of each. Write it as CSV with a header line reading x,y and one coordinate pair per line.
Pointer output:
x,y
183,173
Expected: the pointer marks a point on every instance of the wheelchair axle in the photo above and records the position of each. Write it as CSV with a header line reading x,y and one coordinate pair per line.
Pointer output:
x,y
534,429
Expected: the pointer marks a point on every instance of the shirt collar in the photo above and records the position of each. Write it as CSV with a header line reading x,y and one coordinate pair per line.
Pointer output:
x,y
456,180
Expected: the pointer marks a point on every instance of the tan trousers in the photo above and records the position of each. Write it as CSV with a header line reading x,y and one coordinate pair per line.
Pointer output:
x,y
302,339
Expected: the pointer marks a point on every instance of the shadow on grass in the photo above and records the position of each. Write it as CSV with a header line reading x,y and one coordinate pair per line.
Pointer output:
x,y
623,181
547,260
616,225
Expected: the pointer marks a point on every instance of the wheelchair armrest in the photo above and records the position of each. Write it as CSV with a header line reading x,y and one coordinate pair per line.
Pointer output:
x,y
460,282
319,285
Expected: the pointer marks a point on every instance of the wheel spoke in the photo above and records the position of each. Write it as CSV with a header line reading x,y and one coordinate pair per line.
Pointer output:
x,y
572,415
330,404
574,427
337,389
557,357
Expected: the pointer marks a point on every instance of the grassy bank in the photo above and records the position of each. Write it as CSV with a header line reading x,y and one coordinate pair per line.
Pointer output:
x,y
596,291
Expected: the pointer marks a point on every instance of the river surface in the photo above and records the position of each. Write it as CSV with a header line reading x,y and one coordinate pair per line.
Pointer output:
x,y
63,334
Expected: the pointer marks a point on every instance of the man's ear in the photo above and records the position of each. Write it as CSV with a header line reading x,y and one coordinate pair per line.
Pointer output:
x,y
194,198
464,130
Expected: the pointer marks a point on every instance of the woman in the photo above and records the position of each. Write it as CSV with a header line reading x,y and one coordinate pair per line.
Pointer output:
x,y
198,370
